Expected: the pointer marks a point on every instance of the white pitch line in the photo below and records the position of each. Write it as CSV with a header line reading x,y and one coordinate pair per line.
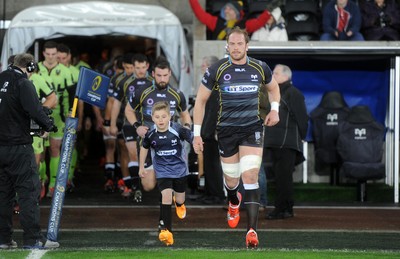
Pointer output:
x,y
36,254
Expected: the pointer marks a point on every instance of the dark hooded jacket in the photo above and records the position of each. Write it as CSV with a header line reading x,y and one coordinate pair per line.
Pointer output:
x,y
293,121
380,23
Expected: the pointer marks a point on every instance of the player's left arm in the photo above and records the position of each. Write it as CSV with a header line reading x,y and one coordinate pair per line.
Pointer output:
x,y
274,96
186,120
142,159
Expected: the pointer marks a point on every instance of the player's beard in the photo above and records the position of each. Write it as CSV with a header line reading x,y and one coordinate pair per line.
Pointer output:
x,y
237,56
161,85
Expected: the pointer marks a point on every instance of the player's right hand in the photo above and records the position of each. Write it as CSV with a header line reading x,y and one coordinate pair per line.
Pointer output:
x,y
106,130
113,130
142,173
198,144
142,130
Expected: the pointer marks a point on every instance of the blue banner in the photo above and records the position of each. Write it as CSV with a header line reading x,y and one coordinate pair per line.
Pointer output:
x,y
92,87
369,88
71,124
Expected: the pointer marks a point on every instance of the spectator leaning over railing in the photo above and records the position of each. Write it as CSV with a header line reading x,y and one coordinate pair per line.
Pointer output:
x,y
273,30
231,15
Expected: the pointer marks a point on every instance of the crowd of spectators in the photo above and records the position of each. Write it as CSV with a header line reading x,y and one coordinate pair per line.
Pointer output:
x,y
354,20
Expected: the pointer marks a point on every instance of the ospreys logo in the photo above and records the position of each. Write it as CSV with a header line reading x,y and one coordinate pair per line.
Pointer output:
x,y
360,134
331,119
4,87
257,137
96,83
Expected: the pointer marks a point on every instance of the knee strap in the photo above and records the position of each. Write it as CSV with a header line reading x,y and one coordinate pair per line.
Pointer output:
x,y
231,170
249,162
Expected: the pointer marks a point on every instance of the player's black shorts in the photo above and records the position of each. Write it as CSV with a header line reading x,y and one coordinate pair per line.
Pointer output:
x,y
230,138
129,133
177,184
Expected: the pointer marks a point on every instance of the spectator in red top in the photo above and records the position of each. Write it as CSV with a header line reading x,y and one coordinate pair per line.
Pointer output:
x,y
231,15
341,20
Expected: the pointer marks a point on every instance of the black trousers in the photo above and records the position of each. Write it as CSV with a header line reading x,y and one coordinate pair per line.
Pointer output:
x,y
283,163
18,175
214,185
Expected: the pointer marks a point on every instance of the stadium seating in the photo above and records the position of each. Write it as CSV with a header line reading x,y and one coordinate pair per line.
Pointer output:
x,y
360,146
302,20
325,120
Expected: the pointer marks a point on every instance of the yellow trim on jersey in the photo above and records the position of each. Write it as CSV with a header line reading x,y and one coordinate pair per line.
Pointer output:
x,y
258,67
176,95
119,78
145,93
220,70
127,82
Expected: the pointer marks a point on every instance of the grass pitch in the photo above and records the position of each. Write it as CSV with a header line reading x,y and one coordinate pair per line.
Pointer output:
x,y
219,244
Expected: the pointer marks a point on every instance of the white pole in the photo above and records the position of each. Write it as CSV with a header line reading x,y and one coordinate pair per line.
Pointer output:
x,y
305,164
396,131
36,51
389,121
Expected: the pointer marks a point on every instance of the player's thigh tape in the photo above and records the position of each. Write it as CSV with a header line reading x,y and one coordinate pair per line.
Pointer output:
x,y
249,162
231,170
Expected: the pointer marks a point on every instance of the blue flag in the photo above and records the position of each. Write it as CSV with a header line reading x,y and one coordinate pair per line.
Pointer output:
x,y
92,87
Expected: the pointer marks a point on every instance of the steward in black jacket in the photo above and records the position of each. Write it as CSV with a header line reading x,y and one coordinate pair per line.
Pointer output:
x,y
293,120
284,141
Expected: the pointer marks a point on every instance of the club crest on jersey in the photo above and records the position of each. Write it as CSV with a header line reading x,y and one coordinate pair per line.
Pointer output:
x,y
227,77
150,101
174,142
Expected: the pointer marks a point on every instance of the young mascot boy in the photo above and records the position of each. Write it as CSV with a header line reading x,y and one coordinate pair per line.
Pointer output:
x,y
166,141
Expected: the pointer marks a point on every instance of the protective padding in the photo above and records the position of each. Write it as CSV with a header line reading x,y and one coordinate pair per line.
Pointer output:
x,y
231,170
249,162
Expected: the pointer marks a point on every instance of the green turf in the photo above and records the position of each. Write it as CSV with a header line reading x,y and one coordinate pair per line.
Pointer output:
x,y
220,244
292,240
202,253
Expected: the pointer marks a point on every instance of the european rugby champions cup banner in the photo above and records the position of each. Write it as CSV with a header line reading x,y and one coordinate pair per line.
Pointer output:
x,y
91,88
